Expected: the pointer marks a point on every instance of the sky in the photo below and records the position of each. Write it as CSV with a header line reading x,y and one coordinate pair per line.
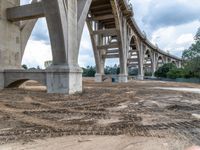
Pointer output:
x,y
169,24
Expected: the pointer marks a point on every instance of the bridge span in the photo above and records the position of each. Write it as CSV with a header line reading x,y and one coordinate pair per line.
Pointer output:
x,y
113,32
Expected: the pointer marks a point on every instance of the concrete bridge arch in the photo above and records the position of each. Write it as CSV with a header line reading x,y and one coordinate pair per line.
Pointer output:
x,y
110,24
133,52
160,61
148,61
174,62
15,78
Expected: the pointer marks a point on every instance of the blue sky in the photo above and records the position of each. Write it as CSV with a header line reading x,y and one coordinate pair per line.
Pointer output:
x,y
169,24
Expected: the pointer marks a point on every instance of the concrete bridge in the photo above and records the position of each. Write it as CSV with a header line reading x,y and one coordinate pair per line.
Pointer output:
x,y
113,31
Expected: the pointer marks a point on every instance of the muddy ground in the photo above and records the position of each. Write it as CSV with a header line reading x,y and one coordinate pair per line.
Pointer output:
x,y
135,109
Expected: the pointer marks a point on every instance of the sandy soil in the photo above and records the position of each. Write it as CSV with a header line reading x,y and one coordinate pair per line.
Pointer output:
x,y
99,143
105,116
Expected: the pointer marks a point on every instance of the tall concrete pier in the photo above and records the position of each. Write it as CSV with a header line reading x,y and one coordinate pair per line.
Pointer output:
x,y
113,31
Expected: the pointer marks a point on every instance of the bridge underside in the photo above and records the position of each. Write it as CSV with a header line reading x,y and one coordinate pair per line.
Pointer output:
x,y
113,32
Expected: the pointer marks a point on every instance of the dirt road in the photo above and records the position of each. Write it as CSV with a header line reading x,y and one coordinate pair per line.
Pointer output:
x,y
136,109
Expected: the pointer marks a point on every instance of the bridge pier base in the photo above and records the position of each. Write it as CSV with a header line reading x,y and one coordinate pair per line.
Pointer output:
x,y
1,79
64,80
98,78
122,78
140,77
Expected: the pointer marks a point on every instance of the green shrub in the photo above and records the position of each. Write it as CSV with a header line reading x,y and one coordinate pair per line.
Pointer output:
x,y
176,73
148,74
89,71
192,68
162,71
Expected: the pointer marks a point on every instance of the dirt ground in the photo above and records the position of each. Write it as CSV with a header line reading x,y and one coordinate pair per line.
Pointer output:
x,y
108,116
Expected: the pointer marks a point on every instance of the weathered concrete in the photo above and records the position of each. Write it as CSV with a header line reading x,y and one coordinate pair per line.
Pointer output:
x,y
14,77
1,79
26,12
10,49
98,77
122,78
113,31
57,80
64,80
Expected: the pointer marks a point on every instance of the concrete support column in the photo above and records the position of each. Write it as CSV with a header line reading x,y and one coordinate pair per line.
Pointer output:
x,y
100,73
179,63
64,80
123,76
65,75
100,70
10,45
2,80
100,61
141,62
153,64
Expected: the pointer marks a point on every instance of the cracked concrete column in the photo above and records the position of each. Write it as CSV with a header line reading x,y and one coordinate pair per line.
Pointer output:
x,y
65,75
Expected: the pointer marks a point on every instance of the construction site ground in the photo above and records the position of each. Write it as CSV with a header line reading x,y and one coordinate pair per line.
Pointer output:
x,y
139,115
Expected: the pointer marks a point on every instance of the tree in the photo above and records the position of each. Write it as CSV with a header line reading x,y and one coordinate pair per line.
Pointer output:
x,y
191,58
89,71
194,49
192,52
192,68
197,36
176,73
112,70
133,71
24,66
38,67
163,70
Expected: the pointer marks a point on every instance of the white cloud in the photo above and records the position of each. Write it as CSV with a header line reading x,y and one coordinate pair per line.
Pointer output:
x,y
36,53
185,39
85,60
175,38
85,45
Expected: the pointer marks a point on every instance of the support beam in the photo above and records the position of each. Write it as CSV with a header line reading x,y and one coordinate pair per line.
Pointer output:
x,y
83,8
104,17
111,56
26,12
111,45
106,32
112,51
133,59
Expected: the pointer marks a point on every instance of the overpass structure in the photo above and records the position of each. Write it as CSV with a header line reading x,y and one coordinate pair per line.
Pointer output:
x,y
113,31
